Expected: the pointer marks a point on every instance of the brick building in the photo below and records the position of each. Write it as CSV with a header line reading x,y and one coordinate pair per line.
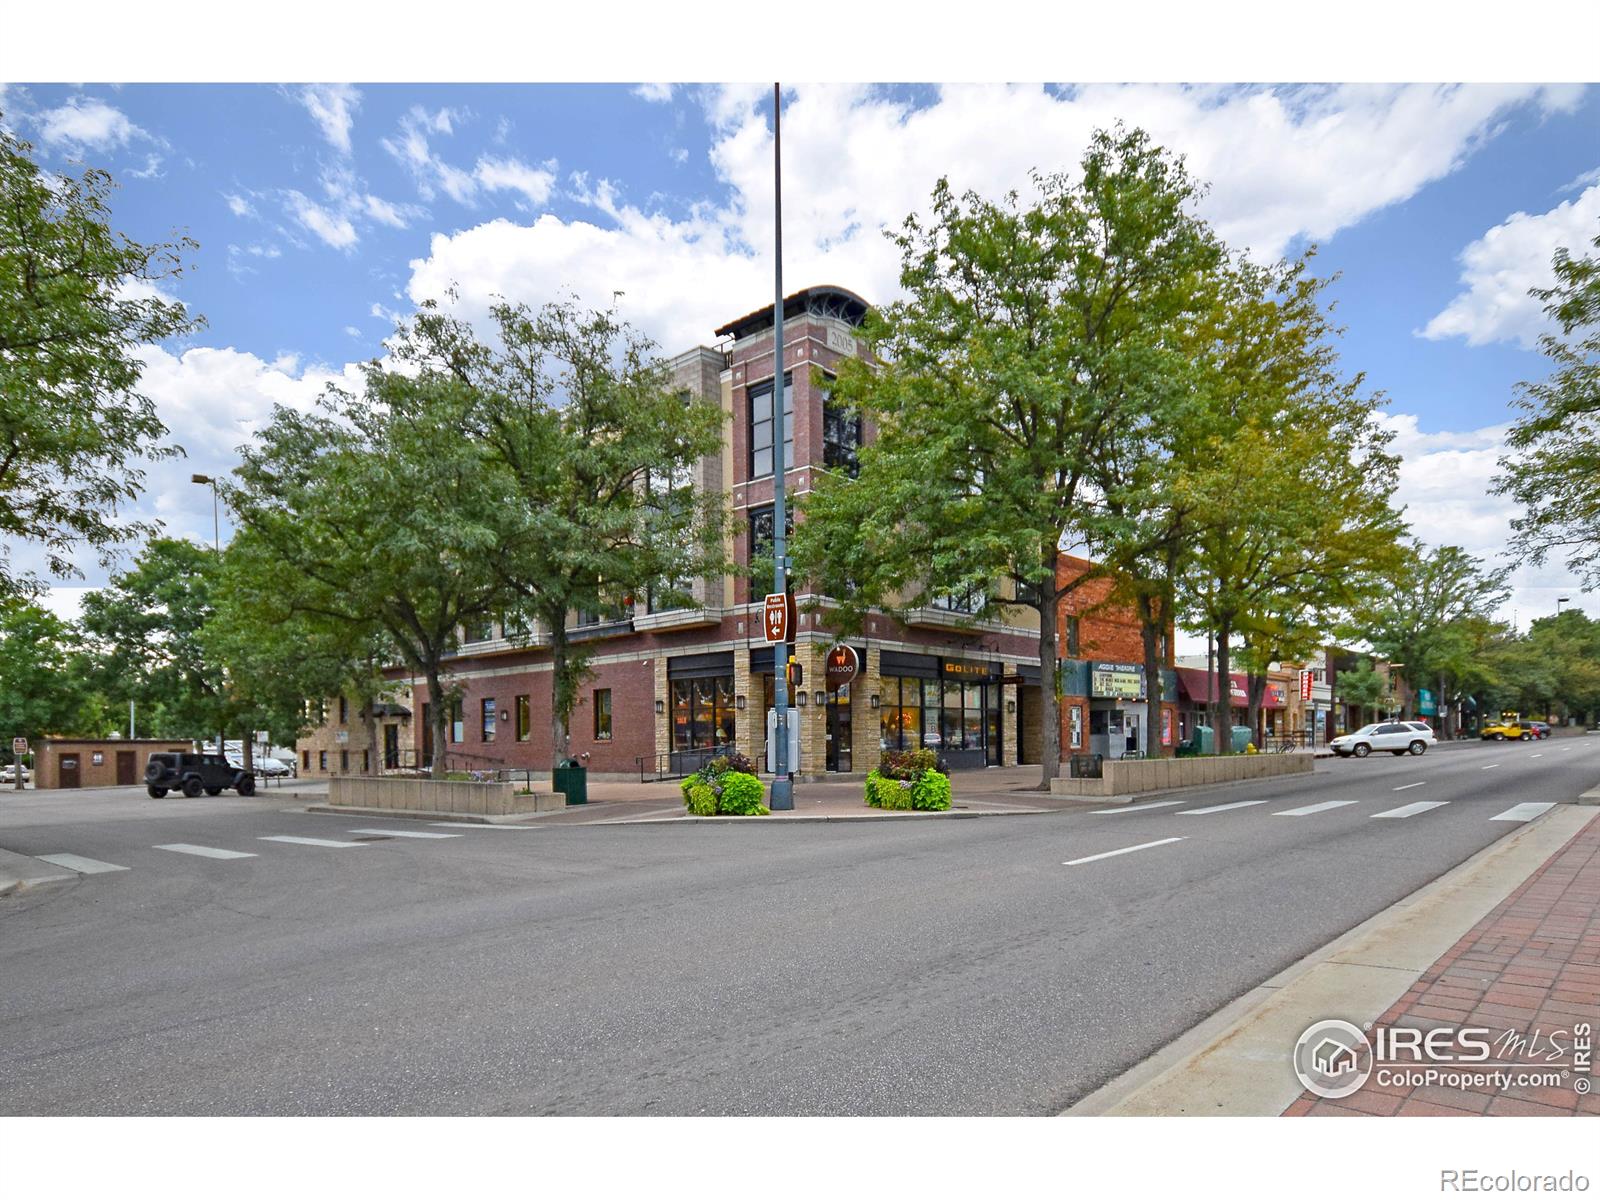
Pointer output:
x,y
340,745
98,762
672,687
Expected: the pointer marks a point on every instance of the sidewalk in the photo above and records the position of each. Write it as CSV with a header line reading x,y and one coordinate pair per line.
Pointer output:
x,y
1533,964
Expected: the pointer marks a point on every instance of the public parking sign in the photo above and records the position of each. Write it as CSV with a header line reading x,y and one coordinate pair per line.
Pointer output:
x,y
777,616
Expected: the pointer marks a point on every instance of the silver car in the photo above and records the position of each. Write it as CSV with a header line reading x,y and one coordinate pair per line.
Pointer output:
x,y
1397,737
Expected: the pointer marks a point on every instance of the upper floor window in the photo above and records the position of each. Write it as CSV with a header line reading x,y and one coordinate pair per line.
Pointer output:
x,y
967,600
761,426
344,711
841,436
479,631
603,614
761,532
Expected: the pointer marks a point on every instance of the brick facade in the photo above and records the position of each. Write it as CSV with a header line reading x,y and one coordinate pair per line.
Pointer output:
x,y
91,763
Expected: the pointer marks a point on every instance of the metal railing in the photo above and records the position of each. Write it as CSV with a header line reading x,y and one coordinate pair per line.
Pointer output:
x,y
675,764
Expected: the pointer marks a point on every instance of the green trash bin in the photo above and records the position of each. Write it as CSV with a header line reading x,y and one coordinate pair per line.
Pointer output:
x,y
571,778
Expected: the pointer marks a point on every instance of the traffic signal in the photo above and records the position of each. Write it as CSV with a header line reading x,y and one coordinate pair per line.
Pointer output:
x,y
795,674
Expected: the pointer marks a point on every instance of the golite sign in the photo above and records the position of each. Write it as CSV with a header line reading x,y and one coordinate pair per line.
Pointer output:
x,y
1120,681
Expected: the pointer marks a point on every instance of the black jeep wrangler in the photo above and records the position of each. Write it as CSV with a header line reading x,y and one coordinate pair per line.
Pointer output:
x,y
196,773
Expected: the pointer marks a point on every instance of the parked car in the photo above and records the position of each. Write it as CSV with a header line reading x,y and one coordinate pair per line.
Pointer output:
x,y
8,773
274,768
195,773
1397,737
1500,731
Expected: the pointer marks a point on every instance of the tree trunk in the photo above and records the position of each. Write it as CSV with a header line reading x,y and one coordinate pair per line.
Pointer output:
x,y
370,722
1255,692
1438,702
559,735
1223,728
1049,683
436,696
1149,626
248,747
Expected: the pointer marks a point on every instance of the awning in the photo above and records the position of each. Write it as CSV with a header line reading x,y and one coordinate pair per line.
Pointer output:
x,y
1196,686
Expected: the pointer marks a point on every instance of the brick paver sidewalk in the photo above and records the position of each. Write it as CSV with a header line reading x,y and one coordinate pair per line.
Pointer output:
x,y
1531,966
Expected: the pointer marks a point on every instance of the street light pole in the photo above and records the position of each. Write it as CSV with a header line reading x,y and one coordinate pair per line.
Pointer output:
x,y
782,785
1560,600
216,547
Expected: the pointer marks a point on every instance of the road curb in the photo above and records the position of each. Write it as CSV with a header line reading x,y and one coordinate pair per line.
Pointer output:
x,y
953,814
1237,1061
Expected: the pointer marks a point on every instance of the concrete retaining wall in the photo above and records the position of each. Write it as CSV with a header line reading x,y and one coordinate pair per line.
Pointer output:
x,y
437,796
1159,774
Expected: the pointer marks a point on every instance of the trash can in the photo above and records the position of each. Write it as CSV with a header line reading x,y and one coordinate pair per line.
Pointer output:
x,y
1086,766
571,778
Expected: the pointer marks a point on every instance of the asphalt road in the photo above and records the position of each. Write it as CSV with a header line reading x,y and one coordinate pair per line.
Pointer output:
x,y
954,966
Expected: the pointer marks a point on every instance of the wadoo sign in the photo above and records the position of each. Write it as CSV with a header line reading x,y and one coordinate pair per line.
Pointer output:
x,y
841,666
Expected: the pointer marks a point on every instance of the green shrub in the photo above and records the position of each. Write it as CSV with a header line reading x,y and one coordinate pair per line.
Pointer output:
x,y
741,795
700,800
907,764
931,793
889,794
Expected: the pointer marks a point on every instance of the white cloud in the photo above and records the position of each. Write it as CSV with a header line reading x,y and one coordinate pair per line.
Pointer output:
x,y
1445,480
87,122
1283,164
1500,267
535,183
382,211
655,93
238,205
332,106
332,227
353,331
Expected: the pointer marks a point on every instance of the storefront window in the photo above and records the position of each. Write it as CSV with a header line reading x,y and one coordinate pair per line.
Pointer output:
x,y
939,716
702,713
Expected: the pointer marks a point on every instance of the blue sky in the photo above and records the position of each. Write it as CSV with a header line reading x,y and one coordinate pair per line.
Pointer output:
x,y
320,211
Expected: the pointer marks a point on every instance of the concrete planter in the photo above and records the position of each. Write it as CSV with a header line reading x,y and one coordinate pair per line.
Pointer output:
x,y
1127,778
444,797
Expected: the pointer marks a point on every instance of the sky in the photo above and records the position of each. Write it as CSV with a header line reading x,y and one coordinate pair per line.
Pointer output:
x,y
324,211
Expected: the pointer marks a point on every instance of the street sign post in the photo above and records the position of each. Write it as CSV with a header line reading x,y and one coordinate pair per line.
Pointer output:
x,y
19,747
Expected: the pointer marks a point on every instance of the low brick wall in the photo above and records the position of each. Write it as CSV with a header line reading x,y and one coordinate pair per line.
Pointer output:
x,y
1125,778
437,796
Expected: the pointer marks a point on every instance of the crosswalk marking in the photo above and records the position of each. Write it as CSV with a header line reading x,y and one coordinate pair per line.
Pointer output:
x,y
1106,812
83,866
1125,850
203,851
410,833
305,841
1522,812
1309,809
475,826
1215,808
1411,810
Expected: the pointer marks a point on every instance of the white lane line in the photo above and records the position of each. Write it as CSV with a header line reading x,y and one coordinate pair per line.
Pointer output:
x,y
1530,756
1522,812
1125,850
1404,786
1106,812
1310,809
1490,767
1200,812
300,841
83,866
464,825
1411,810
203,851
410,833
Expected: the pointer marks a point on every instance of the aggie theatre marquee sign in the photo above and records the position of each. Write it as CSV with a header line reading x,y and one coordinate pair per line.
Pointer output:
x,y
1120,681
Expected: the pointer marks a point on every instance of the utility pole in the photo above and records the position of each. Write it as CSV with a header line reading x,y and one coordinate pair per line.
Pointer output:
x,y
782,784
216,546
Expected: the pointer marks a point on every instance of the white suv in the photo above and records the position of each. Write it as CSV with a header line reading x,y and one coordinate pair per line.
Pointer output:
x,y
1397,737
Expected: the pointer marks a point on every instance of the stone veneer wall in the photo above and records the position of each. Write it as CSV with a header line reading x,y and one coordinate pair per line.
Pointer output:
x,y
437,796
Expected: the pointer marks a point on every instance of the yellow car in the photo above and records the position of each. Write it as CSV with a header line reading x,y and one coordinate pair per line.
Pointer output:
x,y
1499,731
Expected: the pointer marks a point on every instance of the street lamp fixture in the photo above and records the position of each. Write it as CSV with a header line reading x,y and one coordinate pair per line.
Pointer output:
x,y
1560,600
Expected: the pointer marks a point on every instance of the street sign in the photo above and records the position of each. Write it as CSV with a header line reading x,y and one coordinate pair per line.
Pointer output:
x,y
1306,680
777,616
19,745
841,666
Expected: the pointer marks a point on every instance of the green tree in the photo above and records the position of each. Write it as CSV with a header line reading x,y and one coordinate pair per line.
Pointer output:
x,y
380,510
43,686
1028,336
593,455
1553,470
145,628
1365,687
76,303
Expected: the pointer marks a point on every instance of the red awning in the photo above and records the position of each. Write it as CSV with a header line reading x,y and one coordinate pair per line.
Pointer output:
x,y
1196,685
